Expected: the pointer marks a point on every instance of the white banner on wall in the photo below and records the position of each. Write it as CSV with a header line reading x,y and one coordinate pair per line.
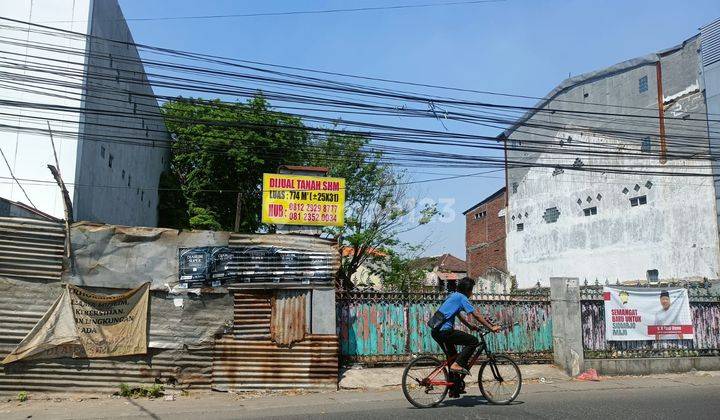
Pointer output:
x,y
647,314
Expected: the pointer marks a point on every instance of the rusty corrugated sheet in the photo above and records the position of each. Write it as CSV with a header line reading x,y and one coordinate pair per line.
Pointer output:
x,y
284,260
288,321
244,365
22,304
252,315
31,249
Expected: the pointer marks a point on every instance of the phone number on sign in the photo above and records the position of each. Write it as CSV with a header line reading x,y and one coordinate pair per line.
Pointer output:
x,y
312,217
313,208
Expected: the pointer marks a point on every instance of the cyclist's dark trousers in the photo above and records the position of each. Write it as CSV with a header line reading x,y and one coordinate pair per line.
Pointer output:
x,y
469,343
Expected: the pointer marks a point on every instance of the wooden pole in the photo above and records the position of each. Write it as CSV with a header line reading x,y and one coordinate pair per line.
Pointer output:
x,y
67,204
238,212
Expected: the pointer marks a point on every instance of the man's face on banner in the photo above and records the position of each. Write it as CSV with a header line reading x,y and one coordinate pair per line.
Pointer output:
x,y
665,302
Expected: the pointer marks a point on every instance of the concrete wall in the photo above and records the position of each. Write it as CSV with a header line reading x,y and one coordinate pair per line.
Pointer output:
x,y
675,233
136,140
711,84
96,76
27,147
568,350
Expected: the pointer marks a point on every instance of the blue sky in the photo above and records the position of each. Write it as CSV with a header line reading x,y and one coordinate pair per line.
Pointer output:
x,y
518,47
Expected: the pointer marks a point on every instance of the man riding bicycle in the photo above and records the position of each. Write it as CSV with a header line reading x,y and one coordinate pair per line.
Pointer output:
x,y
447,337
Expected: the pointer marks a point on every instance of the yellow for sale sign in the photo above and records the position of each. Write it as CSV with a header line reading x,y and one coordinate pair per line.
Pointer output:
x,y
303,200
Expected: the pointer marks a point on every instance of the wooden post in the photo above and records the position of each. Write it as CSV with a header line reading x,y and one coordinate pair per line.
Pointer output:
x,y
238,211
67,204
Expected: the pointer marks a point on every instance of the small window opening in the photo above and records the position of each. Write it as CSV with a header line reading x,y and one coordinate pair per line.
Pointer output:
x,y
520,227
551,215
590,211
646,146
110,160
643,84
638,201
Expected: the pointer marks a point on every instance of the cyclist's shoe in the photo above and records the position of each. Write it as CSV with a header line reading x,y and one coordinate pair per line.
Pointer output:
x,y
461,371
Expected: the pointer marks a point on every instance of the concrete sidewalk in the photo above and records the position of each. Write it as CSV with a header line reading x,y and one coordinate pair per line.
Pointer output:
x,y
383,378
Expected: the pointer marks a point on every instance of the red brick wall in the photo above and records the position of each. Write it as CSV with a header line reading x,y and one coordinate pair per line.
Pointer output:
x,y
488,230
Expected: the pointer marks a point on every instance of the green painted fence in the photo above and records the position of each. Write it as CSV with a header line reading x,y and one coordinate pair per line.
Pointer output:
x,y
381,327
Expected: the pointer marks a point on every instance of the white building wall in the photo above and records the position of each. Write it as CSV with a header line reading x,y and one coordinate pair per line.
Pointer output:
x,y
675,233
28,150
124,120
110,111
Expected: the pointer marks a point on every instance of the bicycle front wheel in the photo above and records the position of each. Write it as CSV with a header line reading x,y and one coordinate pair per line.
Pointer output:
x,y
500,380
418,378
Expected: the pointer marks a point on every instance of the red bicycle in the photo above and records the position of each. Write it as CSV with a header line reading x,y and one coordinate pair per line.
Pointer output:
x,y
426,379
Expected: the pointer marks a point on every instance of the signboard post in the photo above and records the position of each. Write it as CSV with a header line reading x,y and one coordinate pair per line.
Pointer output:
x,y
647,314
303,200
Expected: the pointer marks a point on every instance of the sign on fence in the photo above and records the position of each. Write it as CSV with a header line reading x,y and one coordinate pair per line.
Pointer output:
x,y
647,314
83,324
220,266
303,200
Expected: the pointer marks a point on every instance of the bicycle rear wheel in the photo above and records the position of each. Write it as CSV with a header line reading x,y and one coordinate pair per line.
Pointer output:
x,y
416,385
500,380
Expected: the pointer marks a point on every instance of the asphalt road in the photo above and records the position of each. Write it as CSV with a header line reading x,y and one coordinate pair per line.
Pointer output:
x,y
668,397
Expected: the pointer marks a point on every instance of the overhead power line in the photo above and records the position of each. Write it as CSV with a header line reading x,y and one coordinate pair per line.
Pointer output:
x,y
307,12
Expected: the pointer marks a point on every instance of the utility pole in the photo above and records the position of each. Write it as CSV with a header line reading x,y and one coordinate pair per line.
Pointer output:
x,y
238,211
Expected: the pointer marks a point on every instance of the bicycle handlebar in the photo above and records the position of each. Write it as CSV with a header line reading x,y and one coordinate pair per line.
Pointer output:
x,y
502,327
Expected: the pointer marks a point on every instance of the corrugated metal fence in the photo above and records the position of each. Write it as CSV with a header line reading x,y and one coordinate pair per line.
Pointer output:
x,y
705,308
22,304
377,327
262,354
31,249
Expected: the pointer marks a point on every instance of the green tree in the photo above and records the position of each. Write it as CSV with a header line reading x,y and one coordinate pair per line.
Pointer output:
x,y
400,271
219,150
376,198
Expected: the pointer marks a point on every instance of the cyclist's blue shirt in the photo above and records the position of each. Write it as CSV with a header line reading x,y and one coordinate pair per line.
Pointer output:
x,y
455,303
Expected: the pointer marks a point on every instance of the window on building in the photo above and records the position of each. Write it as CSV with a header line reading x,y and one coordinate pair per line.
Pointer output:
x,y
129,179
110,160
590,211
520,227
480,215
643,84
652,275
551,215
638,201
102,152
646,145
142,195
123,174
514,187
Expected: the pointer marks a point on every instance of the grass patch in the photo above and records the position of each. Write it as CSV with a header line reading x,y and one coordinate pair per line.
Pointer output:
x,y
151,391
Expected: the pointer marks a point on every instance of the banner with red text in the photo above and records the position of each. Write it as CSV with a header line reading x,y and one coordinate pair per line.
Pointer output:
x,y
647,314
303,200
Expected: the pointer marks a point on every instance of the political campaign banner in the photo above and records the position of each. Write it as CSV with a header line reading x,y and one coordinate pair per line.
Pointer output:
x,y
83,324
647,314
303,200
